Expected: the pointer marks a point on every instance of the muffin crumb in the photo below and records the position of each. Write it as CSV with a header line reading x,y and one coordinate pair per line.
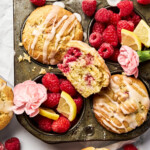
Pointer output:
x,y
43,71
20,58
50,68
33,69
27,57
20,44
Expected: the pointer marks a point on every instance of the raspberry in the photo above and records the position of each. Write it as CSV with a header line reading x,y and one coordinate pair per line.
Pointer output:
x,y
89,7
134,18
38,2
51,82
95,39
144,2
79,103
67,87
61,80
114,56
61,125
123,24
129,147
12,144
44,123
110,35
98,27
1,146
52,100
106,50
126,8
102,15
114,18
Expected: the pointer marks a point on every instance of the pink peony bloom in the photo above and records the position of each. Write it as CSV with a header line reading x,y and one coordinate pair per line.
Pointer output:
x,y
28,96
129,60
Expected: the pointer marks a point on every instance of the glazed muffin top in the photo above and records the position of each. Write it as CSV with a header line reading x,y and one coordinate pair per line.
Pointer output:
x,y
123,105
6,103
47,31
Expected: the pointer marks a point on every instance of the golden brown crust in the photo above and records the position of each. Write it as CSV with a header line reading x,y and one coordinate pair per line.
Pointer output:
x,y
122,106
46,21
6,102
97,70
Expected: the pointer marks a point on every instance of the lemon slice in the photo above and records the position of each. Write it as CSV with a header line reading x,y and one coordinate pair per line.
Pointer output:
x,y
48,113
143,32
130,39
67,106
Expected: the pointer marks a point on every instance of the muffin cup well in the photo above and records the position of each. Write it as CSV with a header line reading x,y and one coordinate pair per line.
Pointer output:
x,y
144,127
116,10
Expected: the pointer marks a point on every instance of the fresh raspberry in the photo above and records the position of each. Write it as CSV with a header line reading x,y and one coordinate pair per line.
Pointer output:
x,y
106,50
114,56
51,82
129,147
110,35
61,125
12,144
144,2
89,7
126,8
44,123
102,15
52,100
95,39
38,2
134,18
61,80
114,18
123,24
1,146
98,27
68,87
79,103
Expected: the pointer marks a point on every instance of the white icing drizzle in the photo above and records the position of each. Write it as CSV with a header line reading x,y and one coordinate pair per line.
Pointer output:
x,y
63,29
2,86
126,106
6,106
51,36
78,16
61,4
113,2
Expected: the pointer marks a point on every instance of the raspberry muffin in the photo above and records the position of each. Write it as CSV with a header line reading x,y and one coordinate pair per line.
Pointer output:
x,y
85,68
6,103
47,31
123,105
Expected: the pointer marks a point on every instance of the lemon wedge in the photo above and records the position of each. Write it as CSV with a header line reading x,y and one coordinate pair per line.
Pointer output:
x,y
130,39
48,113
143,32
67,106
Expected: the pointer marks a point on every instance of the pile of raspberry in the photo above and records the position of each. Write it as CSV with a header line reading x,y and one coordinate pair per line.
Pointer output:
x,y
106,30
55,86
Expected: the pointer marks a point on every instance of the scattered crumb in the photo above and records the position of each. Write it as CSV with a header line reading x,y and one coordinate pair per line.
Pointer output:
x,y
20,58
20,44
50,68
33,68
43,71
27,57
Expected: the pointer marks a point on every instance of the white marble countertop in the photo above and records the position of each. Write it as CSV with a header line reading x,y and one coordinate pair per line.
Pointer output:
x,y
14,129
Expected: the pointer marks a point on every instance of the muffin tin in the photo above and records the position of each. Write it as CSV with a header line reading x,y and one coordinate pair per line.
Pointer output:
x,y
87,128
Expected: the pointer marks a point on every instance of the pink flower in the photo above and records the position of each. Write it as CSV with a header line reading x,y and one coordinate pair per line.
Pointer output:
x,y
129,60
28,96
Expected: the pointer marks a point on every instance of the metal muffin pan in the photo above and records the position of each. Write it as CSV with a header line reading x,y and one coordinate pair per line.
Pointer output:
x,y
87,129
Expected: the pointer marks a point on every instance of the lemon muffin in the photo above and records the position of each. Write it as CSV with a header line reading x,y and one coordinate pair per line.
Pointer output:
x,y
47,31
6,103
123,105
85,68
92,148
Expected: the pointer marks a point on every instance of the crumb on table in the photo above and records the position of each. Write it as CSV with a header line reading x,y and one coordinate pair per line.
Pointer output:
x,y
20,44
43,71
20,58
50,68
33,68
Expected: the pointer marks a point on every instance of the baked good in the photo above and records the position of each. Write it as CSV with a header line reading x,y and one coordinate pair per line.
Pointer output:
x,y
6,103
47,31
85,68
92,148
123,105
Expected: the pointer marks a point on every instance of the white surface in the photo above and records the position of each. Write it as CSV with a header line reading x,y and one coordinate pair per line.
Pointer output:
x,y
14,129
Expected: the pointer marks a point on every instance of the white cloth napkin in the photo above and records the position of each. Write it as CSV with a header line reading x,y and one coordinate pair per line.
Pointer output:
x,y
6,41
